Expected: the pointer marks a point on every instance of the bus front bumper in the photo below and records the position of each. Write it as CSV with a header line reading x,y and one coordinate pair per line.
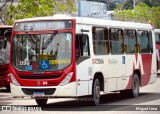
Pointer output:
x,y
68,90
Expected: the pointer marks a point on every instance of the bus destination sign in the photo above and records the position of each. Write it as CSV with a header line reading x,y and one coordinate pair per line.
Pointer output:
x,y
42,25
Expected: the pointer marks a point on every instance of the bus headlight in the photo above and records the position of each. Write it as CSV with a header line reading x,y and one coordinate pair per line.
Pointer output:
x,y
13,79
66,79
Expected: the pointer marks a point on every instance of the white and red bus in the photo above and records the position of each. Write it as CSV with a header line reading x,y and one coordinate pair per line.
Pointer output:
x,y
157,36
64,56
5,35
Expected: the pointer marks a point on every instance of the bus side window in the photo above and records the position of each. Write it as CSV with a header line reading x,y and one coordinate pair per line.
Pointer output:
x,y
130,41
82,45
143,40
100,40
150,42
116,41
157,35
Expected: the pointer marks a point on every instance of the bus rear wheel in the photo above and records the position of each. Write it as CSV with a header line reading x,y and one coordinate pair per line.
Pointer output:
x,y
42,101
96,93
134,92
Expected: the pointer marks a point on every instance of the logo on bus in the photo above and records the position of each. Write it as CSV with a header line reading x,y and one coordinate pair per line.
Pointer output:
x,y
97,61
123,60
38,83
112,61
138,63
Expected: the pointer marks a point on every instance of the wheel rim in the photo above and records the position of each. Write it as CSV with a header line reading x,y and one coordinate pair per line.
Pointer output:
x,y
136,86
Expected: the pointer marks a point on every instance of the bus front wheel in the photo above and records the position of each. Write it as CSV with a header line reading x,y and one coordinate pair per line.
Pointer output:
x,y
42,101
96,92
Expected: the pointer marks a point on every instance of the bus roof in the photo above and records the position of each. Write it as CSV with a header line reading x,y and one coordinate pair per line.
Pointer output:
x,y
93,21
157,30
6,26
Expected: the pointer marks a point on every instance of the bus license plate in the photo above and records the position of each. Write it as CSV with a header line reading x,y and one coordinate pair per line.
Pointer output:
x,y
36,94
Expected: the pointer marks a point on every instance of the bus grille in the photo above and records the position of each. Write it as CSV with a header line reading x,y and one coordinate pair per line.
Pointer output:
x,y
47,91
38,77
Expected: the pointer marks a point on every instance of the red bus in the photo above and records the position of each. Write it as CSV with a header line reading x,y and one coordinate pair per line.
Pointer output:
x,y
63,56
157,36
5,35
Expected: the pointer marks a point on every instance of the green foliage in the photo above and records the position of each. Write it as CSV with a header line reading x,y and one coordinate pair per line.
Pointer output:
x,y
151,3
148,3
141,13
38,8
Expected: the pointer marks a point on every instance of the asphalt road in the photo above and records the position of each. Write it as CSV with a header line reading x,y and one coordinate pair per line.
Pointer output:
x,y
148,102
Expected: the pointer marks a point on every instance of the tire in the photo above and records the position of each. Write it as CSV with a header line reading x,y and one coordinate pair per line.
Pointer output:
x,y
8,88
134,92
41,102
96,93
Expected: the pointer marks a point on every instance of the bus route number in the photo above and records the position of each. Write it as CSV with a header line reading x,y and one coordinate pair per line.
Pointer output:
x,y
24,62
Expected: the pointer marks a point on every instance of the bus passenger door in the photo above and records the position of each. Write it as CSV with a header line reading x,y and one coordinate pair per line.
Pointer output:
x,y
83,62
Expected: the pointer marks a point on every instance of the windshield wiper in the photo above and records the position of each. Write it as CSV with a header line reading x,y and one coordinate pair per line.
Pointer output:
x,y
49,40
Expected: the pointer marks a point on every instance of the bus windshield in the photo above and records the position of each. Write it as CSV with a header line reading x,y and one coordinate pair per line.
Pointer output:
x,y
4,52
42,52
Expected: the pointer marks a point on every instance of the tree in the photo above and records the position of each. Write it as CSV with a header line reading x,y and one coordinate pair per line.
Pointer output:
x,y
141,13
3,7
148,2
37,8
151,3
155,3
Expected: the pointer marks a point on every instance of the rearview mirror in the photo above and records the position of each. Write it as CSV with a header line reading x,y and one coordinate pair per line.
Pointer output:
x,y
6,33
5,43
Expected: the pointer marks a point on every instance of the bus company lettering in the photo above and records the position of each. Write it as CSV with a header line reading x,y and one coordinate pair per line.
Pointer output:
x,y
97,61
112,61
138,63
